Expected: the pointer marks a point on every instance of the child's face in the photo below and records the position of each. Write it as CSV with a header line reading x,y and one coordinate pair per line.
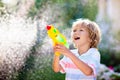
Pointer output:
x,y
80,36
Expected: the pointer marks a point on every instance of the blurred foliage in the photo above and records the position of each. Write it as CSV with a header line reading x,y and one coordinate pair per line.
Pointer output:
x,y
1,8
109,58
73,9
117,35
117,68
36,8
90,10
115,77
1,4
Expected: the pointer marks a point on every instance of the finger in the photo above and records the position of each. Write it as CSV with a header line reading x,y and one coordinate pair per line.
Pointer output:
x,y
58,46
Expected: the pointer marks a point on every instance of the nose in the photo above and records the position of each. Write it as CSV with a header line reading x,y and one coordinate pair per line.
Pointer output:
x,y
76,32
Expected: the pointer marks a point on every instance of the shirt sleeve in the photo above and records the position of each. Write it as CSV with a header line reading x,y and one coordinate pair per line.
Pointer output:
x,y
63,63
94,62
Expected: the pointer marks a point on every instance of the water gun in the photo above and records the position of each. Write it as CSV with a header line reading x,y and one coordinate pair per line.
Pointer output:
x,y
56,37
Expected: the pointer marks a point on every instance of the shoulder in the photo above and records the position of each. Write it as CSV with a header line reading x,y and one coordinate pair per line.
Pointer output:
x,y
94,52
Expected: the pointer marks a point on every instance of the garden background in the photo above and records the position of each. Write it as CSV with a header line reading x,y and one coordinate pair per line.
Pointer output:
x,y
25,49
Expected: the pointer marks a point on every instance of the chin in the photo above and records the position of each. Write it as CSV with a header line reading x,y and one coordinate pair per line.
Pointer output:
x,y
75,45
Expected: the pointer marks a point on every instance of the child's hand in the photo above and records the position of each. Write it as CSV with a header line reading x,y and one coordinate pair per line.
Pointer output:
x,y
62,49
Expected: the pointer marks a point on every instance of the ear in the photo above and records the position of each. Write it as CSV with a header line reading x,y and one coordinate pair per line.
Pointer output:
x,y
90,40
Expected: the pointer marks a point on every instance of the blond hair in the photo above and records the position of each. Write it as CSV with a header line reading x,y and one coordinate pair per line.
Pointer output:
x,y
93,30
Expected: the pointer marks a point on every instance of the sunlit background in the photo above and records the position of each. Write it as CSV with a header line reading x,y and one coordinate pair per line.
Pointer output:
x,y
26,50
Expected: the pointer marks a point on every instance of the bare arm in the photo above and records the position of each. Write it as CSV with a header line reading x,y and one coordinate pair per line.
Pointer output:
x,y
56,66
87,70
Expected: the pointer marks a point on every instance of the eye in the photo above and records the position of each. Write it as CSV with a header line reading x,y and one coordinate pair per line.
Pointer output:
x,y
81,29
74,30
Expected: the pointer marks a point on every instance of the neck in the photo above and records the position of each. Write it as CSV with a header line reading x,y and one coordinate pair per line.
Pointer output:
x,y
83,49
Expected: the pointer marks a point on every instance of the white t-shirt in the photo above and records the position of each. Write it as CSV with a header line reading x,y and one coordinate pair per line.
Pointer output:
x,y
91,57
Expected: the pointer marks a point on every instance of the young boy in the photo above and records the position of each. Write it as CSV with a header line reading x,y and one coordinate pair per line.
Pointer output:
x,y
81,63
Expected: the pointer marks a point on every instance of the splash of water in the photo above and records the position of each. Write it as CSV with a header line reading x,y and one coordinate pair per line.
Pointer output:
x,y
17,36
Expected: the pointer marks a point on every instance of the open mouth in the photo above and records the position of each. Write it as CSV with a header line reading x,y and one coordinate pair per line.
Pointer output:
x,y
77,38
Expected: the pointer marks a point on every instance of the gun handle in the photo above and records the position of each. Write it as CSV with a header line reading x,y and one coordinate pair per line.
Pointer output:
x,y
57,53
